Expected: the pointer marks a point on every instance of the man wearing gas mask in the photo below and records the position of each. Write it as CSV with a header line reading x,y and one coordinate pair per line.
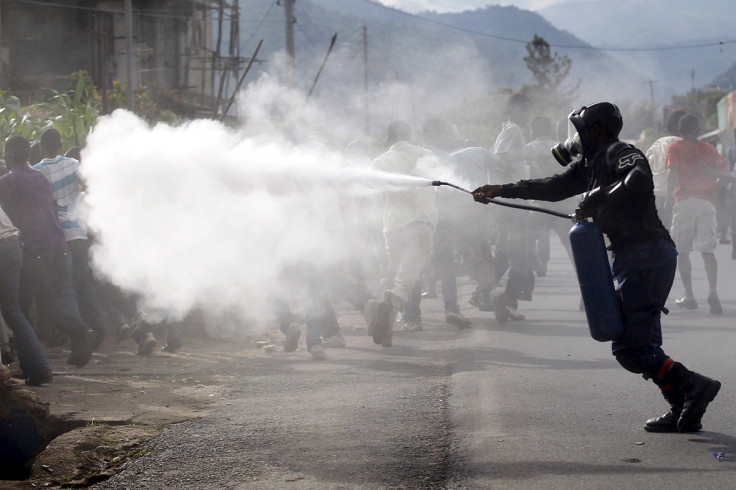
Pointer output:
x,y
616,184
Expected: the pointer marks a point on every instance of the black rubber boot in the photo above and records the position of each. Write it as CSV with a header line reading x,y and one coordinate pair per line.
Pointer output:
x,y
698,392
82,345
668,421
500,310
384,322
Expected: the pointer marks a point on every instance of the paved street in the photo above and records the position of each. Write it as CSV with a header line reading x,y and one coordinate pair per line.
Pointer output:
x,y
535,404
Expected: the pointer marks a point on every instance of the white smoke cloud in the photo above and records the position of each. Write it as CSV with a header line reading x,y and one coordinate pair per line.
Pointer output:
x,y
198,217
201,217
210,218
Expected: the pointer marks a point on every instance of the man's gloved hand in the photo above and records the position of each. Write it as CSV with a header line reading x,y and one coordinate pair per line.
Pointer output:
x,y
581,214
588,203
485,192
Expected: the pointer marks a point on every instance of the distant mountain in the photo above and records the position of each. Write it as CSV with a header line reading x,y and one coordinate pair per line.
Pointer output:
x,y
636,23
601,74
426,64
727,80
681,36
434,46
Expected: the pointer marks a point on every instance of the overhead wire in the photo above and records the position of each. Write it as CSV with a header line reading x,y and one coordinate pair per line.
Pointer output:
x,y
554,45
255,31
98,9
306,23
306,35
674,47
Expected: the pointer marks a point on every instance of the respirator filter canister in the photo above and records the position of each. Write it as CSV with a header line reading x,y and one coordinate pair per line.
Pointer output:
x,y
566,152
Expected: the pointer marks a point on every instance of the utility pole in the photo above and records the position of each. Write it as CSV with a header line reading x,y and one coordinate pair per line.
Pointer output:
x,y
692,80
290,51
655,122
129,51
651,92
216,53
365,79
234,48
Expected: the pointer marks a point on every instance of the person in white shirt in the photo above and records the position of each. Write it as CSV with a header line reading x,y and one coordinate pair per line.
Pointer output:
x,y
657,156
409,223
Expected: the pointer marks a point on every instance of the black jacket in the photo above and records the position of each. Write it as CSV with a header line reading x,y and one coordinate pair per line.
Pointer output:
x,y
627,216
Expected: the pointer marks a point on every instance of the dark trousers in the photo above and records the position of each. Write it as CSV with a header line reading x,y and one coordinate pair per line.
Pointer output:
x,y
120,307
308,287
444,256
89,305
515,255
46,278
31,357
644,274
541,226
319,317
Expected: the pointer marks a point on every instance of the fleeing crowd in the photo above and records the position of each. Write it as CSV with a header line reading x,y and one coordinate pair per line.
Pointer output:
x,y
427,236
47,289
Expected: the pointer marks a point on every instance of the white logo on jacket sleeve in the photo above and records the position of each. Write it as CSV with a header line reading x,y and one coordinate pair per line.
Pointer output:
x,y
629,160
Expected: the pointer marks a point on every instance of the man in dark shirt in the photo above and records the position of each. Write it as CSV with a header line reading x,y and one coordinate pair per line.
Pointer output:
x,y
46,276
619,195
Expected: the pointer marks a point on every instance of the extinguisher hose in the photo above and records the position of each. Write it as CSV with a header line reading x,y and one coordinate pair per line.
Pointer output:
x,y
531,208
508,204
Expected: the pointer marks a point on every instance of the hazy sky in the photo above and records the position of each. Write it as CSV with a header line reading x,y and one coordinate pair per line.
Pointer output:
x,y
461,5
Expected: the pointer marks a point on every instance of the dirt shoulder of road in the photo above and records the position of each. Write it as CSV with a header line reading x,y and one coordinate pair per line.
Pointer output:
x,y
118,402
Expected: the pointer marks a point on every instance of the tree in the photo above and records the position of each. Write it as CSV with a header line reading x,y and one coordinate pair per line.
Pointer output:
x,y
549,70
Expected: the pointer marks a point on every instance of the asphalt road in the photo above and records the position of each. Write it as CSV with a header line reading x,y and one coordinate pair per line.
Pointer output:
x,y
535,404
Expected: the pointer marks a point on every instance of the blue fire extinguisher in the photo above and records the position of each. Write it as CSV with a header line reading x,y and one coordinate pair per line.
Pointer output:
x,y
602,306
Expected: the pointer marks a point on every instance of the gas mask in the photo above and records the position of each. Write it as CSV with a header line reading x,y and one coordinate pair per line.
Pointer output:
x,y
579,123
566,152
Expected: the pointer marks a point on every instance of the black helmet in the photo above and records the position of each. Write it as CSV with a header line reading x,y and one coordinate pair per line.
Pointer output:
x,y
604,114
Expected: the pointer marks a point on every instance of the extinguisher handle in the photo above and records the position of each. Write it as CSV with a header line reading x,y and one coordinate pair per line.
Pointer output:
x,y
580,216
